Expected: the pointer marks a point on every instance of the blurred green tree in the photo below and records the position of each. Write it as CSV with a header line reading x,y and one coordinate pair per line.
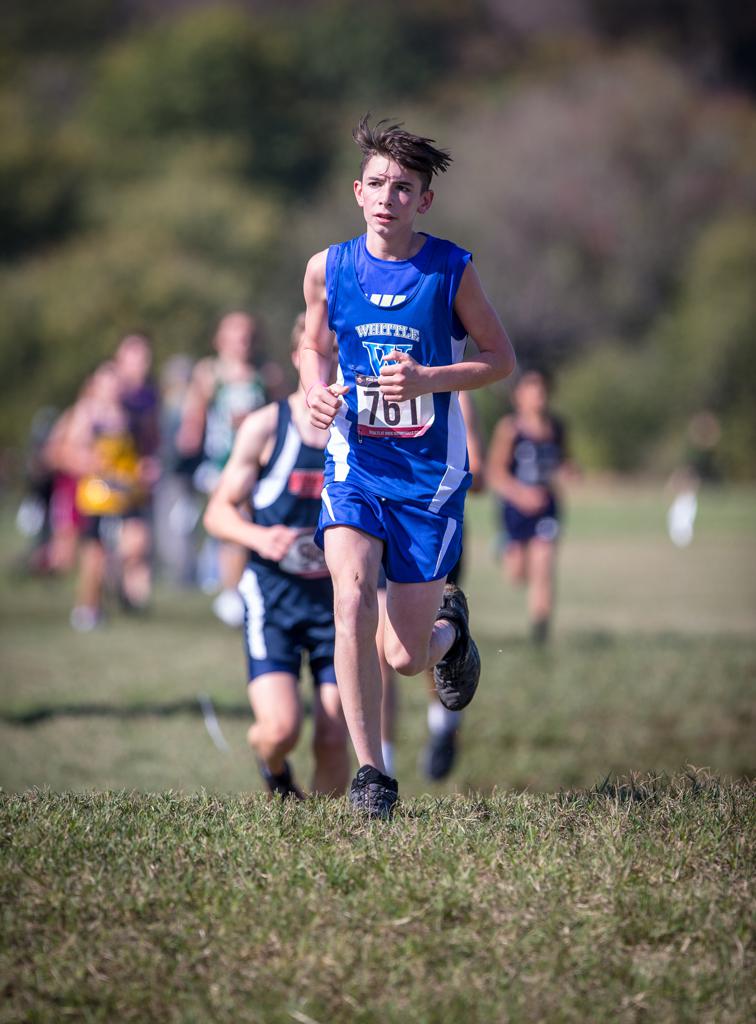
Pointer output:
x,y
34,27
584,194
172,254
710,341
42,182
616,404
214,71
642,406
277,88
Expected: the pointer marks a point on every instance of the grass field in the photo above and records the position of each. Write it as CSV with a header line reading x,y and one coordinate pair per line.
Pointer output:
x,y
515,891
598,907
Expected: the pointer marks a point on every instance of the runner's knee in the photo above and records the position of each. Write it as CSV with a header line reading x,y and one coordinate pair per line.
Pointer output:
x,y
403,661
356,607
280,733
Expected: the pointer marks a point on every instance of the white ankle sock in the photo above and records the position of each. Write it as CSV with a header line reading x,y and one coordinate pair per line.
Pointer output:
x,y
441,719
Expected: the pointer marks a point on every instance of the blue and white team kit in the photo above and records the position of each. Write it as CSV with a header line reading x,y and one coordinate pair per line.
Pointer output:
x,y
289,604
397,470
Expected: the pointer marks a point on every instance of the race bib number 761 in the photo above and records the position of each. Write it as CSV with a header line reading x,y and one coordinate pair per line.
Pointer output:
x,y
380,417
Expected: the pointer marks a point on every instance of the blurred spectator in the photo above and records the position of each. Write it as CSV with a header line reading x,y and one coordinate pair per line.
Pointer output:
x,y
224,388
528,454
681,515
139,393
141,402
99,450
65,519
34,516
703,434
177,504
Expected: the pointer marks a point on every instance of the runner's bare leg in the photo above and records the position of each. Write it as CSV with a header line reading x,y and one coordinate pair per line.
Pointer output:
x,y
353,559
415,639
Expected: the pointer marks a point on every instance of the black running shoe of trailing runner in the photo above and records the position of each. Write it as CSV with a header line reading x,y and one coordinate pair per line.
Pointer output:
x,y
372,793
539,632
456,675
282,784
439,754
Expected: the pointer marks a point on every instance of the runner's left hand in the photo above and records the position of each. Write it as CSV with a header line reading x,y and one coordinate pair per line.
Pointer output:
x,y
402,379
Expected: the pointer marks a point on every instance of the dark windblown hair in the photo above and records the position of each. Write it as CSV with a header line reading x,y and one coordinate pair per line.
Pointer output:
x,y
411,151
534,370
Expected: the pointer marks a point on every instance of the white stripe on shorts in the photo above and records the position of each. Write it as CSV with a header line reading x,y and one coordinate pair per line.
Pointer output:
x,y
327,502
451,526
249,588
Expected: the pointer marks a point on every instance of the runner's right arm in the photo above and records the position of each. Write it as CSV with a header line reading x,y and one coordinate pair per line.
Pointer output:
x,y
316,350
223,517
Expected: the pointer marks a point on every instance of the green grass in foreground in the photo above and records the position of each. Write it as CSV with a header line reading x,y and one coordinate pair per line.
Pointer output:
x,y
630,904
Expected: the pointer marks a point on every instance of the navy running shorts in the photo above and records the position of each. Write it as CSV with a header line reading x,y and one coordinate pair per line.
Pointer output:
x,y
520,528
284,618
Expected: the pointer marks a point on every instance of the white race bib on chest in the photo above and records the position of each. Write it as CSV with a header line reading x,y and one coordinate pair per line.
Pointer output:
x,y
304,557
380,417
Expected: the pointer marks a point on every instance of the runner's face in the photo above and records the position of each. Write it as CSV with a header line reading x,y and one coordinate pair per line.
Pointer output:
x,y
391,196
105,385
531,396
234,337
134,360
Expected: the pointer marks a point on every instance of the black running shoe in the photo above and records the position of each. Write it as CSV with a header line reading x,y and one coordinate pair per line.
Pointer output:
x,y
539,632
439,755
281,784
456,676
373,793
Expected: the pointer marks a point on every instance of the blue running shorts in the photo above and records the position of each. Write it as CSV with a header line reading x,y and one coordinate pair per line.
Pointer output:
x,y
419,546
284,617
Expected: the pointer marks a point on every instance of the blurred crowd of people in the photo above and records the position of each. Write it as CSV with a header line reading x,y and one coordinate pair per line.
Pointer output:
x,y
117,481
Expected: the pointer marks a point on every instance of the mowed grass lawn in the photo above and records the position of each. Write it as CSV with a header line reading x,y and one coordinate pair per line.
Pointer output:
x,y
520,890
623,906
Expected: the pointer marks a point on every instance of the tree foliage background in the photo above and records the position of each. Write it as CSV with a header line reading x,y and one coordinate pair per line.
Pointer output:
x,y
164,162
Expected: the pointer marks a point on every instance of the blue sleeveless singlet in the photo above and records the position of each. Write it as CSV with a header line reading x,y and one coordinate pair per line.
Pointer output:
x,y
414,451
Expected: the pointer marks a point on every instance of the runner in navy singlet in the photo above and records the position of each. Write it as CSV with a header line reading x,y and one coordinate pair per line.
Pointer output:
x,y
401,304
527,455
276,469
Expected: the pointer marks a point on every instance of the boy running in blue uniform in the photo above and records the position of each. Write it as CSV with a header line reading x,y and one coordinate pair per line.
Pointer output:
x,y
276,468
401,304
